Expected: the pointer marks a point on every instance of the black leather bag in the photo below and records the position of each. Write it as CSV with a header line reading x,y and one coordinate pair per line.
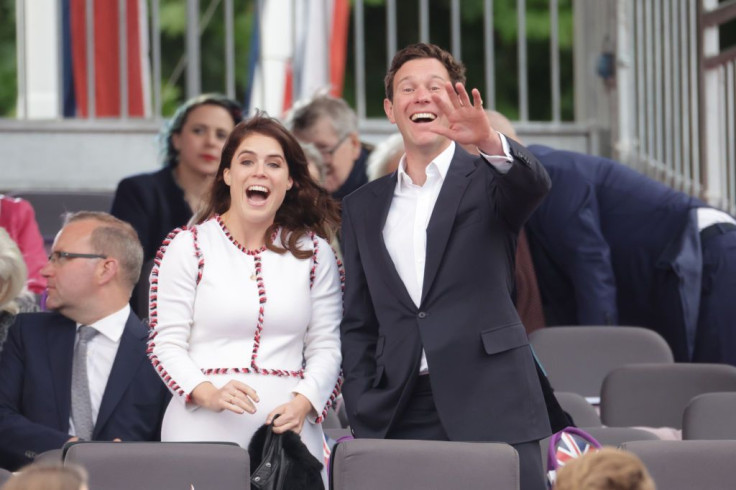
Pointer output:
x,y
282,462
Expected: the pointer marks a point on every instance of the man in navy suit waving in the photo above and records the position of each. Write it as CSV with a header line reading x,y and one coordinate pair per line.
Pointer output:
x,y
80,372
433,347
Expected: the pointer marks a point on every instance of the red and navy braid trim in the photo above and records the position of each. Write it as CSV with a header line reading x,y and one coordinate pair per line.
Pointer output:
x,y
153,305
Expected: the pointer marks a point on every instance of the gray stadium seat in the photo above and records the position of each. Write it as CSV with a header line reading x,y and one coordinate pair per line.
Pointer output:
x,y
50,206
710,416
368,464
616,436
52,457
4,476
688,465
337,433
577,359
655,395
582,412
157,465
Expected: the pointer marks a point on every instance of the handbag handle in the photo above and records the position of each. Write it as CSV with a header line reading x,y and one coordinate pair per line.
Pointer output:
x,y
272,470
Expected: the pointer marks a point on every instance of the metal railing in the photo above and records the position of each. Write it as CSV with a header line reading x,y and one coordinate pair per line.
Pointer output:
x,y
676,95
189,65
718,95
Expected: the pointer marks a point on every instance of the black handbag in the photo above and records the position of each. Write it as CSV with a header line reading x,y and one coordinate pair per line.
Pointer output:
x,y
282,462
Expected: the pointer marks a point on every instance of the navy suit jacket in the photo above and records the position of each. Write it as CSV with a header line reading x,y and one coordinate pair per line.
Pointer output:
x,y
605,243
154,205
483,376
35,389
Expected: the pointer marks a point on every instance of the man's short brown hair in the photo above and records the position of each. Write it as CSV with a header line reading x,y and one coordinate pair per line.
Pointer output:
x,y
455,68
116,238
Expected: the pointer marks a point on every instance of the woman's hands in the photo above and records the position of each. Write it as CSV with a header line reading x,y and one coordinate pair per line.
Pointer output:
x,y
234,396
240,398
291,415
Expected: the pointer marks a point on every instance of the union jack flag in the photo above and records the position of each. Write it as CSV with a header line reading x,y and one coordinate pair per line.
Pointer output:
x,y
571,446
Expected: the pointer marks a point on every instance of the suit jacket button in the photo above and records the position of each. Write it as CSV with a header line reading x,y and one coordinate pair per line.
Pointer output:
x,y
422,314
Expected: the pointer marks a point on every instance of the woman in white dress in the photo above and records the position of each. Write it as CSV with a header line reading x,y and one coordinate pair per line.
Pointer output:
x,y
246,304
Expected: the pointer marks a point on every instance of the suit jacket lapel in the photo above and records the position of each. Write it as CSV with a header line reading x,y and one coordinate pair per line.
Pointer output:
x,y
445,209
60,357
131,352
375,221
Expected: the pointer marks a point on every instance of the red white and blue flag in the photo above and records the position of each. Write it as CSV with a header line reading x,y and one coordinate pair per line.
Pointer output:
x,y
297,49
571,446
106,38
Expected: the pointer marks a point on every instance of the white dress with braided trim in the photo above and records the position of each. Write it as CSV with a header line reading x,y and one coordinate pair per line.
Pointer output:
x,y
219,312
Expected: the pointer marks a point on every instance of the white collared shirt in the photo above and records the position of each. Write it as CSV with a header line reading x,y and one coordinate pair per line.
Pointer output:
x,y
405,231
101,352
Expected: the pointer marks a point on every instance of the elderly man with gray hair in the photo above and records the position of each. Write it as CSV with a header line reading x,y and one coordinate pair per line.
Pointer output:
x,y
332,127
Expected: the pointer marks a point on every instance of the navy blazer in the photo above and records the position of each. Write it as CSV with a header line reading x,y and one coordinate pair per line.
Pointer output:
x,y
482,371
35,389
154,205
605,242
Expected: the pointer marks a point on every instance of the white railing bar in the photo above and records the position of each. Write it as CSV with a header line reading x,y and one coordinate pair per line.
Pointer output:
x,y
455,43
194,82
359,60
658,105
523,80
391,29
156,57
22,54
123,57
668,141
554,48
90,38
424,21
228,14
694,104
641,130
489,55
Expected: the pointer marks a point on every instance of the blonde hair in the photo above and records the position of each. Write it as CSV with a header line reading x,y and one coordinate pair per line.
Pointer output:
x,y
13,274
48,477
606,469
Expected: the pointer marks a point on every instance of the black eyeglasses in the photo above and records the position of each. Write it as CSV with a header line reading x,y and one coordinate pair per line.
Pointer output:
x,y
328,152
56,256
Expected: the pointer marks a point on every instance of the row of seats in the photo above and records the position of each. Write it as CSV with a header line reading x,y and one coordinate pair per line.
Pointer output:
x,y
631,374
652,395
577,359
707,416
367,464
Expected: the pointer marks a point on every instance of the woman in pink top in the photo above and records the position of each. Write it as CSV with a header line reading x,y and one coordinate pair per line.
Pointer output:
x,y
19,220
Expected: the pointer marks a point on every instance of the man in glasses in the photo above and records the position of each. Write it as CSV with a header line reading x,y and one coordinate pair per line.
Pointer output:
x,y
332,127
81,371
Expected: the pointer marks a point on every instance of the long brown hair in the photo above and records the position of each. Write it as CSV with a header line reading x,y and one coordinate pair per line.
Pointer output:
x,y
307,207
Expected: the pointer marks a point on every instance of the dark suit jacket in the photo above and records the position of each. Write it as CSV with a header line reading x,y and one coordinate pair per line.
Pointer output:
x,y
605,242
483,375
154,205
35,389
